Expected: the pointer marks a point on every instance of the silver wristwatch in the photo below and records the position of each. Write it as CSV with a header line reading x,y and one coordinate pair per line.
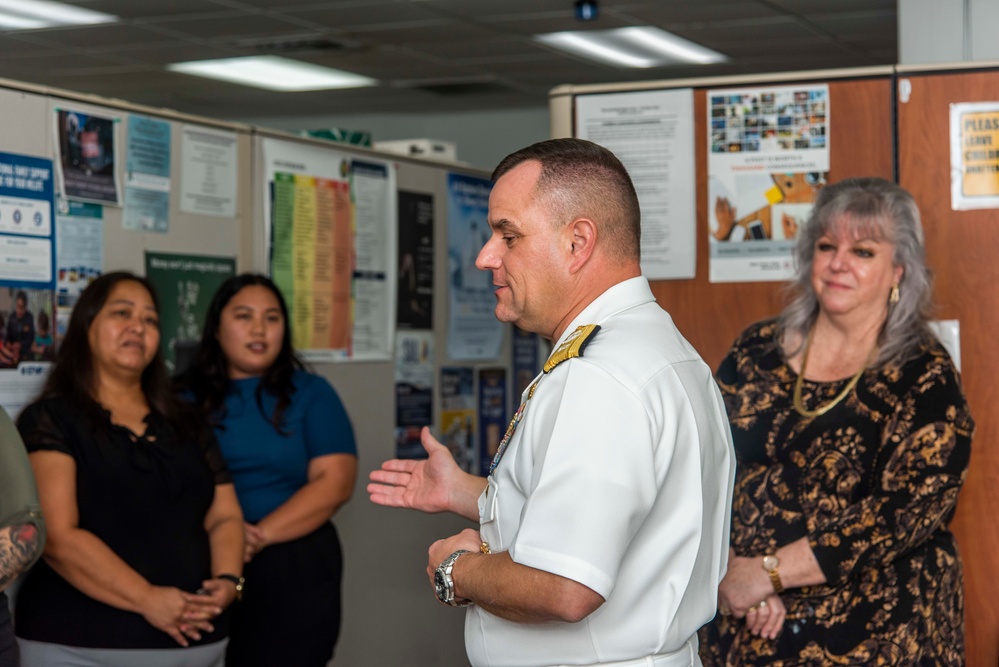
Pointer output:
x,y
444,584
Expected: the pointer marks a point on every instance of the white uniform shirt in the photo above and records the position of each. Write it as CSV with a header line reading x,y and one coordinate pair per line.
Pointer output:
x,y
619,477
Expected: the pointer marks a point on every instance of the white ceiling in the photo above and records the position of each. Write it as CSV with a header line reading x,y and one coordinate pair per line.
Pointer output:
x,y
428,55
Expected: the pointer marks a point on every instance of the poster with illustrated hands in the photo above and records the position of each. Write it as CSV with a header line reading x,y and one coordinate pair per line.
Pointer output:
x,y
768,156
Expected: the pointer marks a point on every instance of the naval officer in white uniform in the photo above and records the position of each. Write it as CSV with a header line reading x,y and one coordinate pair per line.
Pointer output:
x,y
604,520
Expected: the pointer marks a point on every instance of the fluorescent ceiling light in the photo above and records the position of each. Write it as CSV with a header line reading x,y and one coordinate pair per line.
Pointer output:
x,y
632,47
273,73
33,14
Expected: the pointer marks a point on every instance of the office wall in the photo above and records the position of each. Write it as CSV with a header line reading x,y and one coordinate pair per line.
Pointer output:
x,y
946,31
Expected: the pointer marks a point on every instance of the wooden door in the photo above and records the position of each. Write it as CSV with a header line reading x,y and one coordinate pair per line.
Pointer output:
x,y
963,250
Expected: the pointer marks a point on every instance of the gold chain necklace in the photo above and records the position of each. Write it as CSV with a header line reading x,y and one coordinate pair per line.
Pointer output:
x,y
799,405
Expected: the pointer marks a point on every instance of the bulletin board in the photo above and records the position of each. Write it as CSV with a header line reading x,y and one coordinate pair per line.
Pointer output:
x,y
861,145
33,129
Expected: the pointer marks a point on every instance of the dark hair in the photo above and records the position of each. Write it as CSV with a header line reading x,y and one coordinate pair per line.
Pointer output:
x,y
43,320
21,296
884,211
208,377
72,378
582,179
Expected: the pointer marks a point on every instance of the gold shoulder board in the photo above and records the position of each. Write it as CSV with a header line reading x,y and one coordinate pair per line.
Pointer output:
x,y
573,345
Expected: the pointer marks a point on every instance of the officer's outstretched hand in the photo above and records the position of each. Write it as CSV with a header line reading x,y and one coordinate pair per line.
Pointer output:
x,y
434,484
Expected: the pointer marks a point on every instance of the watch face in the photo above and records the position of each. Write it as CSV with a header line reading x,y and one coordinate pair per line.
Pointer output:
x,y
770,562
440,588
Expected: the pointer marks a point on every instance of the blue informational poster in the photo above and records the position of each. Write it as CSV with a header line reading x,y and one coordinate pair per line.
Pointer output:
x,y
474,333
147,175
27,251
27,277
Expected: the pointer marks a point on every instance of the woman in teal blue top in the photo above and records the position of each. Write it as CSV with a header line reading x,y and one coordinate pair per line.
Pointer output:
x,y
290,448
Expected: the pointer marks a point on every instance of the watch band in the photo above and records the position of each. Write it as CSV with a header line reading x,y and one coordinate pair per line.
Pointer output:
x,y
237,580
444,584
770,564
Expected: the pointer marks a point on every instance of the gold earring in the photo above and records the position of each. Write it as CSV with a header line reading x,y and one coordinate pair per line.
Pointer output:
x,y
894,296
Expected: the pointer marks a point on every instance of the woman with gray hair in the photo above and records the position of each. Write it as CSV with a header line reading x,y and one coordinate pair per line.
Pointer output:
x,y
852,436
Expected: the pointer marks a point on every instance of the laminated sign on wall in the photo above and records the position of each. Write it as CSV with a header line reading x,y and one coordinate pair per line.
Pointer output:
x,y
974,155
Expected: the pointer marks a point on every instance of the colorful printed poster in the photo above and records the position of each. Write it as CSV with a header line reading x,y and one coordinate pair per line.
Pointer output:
x,y
458,417
147,175
185,285
768,155
974,155
415,295
86,144
492,414
331,220
414,391
28,344
652,133
473,330
313,258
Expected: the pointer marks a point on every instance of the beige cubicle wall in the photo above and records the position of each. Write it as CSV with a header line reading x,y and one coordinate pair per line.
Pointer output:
x,y
391,616
876,132
28,129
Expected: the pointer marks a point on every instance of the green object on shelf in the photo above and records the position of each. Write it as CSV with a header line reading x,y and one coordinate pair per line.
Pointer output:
x,y
352,137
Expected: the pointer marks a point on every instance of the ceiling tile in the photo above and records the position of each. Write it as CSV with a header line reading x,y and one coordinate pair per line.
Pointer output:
x,y
102,37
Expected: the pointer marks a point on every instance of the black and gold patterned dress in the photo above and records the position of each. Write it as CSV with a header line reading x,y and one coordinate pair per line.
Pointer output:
x,y
873,484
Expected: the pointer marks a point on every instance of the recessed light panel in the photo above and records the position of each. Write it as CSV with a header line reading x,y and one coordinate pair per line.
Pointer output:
x,y
273,73
34,14
632,47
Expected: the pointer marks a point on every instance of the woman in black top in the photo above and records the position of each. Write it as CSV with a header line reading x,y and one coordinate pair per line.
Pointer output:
x,y
144,547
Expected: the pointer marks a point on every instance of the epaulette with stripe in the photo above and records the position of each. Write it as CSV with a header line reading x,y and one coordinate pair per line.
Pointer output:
x,y
573,345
